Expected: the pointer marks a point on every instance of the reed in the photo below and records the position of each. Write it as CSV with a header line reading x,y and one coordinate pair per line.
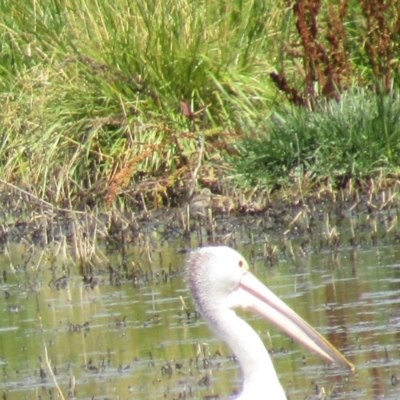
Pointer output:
x,y
338,46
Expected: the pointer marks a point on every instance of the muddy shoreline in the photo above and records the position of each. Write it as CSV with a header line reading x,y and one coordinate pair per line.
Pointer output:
x,y
37,222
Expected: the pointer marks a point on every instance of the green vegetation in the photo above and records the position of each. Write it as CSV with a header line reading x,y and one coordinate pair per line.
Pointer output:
x,y
358,137
105,100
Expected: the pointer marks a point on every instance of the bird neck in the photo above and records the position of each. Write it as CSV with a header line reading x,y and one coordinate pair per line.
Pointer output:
x,y
259,377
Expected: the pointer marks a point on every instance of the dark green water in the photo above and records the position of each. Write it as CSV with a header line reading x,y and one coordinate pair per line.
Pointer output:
x,y
138,343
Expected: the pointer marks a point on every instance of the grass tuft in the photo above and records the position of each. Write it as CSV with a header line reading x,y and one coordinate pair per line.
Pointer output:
x,y
351,139
90,87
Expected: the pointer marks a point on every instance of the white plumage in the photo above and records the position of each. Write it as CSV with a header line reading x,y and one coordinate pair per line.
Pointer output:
x,y
219,280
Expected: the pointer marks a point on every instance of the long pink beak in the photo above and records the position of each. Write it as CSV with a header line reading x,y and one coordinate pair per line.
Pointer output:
x,y
253,295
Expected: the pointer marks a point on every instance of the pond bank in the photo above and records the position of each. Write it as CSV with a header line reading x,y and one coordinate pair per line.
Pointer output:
x,y
29,220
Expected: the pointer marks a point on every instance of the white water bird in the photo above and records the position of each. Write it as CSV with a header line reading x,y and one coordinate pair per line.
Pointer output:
x,y
219,280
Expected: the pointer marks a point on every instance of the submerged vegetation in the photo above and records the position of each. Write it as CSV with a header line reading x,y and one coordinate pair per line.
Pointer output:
x,y
140,103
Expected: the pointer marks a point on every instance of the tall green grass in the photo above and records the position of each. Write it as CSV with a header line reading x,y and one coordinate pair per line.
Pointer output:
x,y
87,86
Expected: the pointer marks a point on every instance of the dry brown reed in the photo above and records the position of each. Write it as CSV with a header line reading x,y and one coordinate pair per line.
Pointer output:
x,y
382,37
327,69
326,66
123,177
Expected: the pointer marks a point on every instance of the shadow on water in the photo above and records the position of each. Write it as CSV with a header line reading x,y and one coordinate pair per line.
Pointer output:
x,y
122,332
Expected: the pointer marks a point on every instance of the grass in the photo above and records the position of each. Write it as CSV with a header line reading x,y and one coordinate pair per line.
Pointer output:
x,y
91,91
355,138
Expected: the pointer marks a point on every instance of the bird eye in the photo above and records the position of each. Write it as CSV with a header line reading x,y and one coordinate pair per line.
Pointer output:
x,y
243,265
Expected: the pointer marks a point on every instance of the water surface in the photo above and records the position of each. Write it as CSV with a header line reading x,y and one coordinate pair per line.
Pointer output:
x,y
123,334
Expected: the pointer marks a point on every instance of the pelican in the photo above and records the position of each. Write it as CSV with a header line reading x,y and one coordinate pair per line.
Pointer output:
x,y
219,281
